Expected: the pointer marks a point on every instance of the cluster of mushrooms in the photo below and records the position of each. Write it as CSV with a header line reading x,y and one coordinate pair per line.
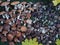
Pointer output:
x,y
15,20
21,20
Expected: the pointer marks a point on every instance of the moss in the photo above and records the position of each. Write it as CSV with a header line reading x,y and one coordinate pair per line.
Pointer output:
x,y
58,42
31,42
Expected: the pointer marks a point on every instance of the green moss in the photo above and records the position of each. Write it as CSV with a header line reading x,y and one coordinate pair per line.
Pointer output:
x,y
31,42
56,2
58,41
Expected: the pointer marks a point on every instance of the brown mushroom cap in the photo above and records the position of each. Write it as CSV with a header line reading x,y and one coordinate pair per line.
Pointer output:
x,y
10,37
13,28
5,32
5,3
2,12
23,3
23,29
15,2
31,9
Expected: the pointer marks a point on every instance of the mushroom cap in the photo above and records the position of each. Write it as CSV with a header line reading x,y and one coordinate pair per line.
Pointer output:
x,y
23,29
31,9
10,37
19,11
5,32
15,3
23,3
13,28
2,12
5,3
